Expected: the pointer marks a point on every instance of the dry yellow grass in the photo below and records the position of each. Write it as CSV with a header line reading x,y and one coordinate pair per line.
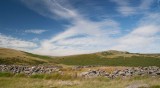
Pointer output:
x,y
11,56
4,52
105,68
83,83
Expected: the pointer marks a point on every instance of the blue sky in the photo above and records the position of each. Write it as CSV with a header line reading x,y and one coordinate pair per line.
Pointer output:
x,y
67,27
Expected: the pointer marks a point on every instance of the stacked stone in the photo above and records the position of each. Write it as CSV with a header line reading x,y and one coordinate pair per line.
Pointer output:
x,y
29,69
81,67
151,71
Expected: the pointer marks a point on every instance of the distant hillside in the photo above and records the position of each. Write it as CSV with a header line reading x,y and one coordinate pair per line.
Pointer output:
x,y
11,56
112,58
107,58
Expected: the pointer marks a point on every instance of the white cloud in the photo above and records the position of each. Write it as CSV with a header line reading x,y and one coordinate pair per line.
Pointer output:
x,y
51,8
86,36
144,38
126,9
139,38
35,40
11,42
146,4
35,31
91,36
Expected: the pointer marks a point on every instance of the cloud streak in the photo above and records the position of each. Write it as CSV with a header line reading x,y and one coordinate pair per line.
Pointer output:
x,y
11,42
91,36
86,36
144,38
35,31
51,8
126,9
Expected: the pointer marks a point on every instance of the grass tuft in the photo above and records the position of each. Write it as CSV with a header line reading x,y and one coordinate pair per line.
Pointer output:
x,y
6,74
155,86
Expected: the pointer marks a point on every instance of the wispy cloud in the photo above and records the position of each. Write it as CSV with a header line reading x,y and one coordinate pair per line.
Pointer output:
x,y
96,37
144,37
51,8
125,7
86,36
35,31
146,4
11,42
95,34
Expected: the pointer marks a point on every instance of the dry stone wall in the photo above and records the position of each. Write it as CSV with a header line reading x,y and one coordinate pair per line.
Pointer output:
x,y
151,71
29,69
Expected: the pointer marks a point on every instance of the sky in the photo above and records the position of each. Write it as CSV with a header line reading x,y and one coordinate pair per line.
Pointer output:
x,y
68,27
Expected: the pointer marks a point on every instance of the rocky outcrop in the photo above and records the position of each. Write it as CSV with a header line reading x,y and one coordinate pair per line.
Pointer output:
x,y
152,71
29,69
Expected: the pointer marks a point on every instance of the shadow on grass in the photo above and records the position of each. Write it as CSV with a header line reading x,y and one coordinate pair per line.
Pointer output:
x,y
155,86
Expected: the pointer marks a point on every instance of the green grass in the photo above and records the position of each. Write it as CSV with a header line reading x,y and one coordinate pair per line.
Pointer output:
x,y
87,59
115,58
10,60
20,75
55,76
18,60
155,86
38,56
6,74
49,59
39,76
11,56
118,61
9,74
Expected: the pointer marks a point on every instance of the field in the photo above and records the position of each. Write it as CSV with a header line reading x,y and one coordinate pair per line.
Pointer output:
x,y
107,58
10,56
112,58
21,82
69,80
116,61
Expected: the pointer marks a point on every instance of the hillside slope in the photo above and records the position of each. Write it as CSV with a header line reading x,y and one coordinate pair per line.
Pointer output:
x,y
105,58
11,56
112,58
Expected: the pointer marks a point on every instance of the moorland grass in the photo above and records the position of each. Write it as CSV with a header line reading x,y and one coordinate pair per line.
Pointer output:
x,y
103,58
19,61
38,56
54,76
6,74
118,61
155,86
20,82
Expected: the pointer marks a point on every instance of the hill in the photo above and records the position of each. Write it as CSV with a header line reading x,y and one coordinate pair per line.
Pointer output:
x,y
11,56
112,58
105,58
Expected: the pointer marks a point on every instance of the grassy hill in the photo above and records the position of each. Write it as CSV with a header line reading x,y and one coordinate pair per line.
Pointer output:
x,y
112,58
11,56
106,58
